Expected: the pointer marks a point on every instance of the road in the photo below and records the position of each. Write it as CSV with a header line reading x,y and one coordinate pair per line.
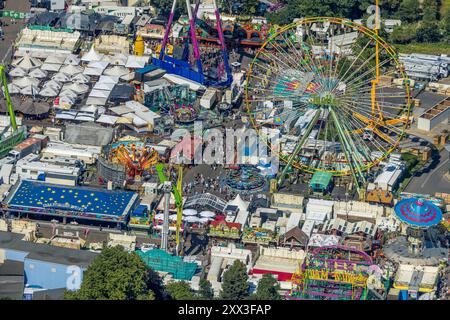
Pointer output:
x,y
13,27
432,180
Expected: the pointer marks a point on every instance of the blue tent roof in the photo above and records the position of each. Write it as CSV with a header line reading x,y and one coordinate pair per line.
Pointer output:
x,y
418,212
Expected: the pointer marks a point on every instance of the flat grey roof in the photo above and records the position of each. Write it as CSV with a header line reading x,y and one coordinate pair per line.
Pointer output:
x,y
45,252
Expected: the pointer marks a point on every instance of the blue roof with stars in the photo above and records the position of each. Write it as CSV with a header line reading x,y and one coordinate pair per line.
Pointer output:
x,y
86,201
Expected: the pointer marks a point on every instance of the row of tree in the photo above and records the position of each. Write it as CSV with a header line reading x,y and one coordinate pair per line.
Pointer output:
x,y
118,275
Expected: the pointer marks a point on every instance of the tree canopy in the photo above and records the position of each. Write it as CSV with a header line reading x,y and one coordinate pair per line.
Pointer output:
x,y
118,275
179,290
235,282
206,291
267,288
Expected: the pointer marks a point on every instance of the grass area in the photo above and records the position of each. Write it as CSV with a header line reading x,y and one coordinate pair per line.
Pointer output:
x,y
426,48
445,5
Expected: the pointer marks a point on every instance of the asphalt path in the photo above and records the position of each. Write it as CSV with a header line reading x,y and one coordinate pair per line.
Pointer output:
x,y
12,27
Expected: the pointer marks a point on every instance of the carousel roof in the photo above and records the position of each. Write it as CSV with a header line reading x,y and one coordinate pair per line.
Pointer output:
x,y
418,212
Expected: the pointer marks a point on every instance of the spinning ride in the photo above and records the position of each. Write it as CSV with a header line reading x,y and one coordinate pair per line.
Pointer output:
x,y
245,179
325,90
135,156
332,273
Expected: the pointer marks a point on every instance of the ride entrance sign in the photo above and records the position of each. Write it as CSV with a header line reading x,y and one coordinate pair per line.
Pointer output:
x,y
14,14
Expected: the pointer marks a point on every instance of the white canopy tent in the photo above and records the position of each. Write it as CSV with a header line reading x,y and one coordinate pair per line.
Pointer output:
x,y
93,72
12,88
48,92
76,87
66,115
189,212
56,59
27,62
71,70
107,119
118,59
85,116
108,79
207,214
92,55
103,86
191,219
72,59
136,62
61,77
18,72
38,73
98,64
117,71
51,67
30,90
26,81
81,78
69,93
53,84
99,93
98,101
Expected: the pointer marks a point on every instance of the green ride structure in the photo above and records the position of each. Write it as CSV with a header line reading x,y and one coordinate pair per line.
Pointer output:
x,y
10,136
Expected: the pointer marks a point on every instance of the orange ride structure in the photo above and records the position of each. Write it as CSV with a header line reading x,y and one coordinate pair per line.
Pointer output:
x,y
138,159
332,273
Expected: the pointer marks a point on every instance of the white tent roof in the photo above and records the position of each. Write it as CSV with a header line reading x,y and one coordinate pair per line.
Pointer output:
x,y
30,90
72,59
98,64
27,62
137,121
48,92
53,67
135,62
119,59
93,71
77,87
104,86
12,88
99,93
38,73
116,71
127,77
26,81
85,116
120,110
71,69
136,106
241,204
69,93
66,115
107,119
61,77
92,55
18,72
190,212
98,101
81,78
89,108
53,84
56,58
109,79
66,100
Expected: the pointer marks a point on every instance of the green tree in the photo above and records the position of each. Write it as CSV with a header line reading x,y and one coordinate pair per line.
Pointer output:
x,y
403,34
179,290
235,282
430,10
206,291
446,24
428,32
117,275
249,6
408,11
267,288
164,7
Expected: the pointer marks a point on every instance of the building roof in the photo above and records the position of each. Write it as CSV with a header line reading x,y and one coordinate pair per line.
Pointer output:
x,y
321,179
418,212
297,234
45,252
